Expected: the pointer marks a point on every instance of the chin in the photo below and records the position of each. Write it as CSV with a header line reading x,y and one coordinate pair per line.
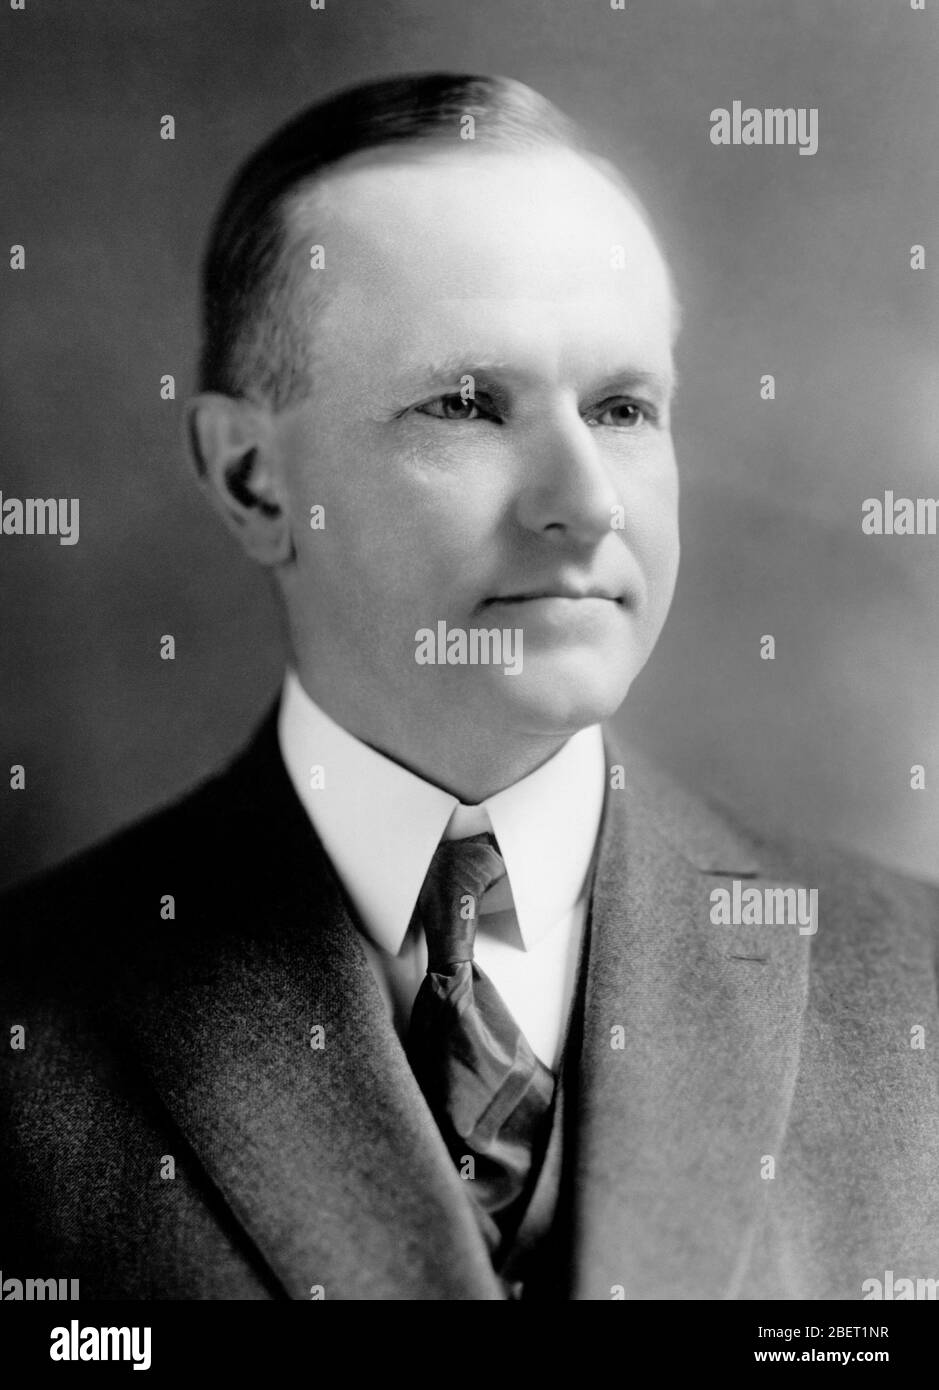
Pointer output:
x,y
561,696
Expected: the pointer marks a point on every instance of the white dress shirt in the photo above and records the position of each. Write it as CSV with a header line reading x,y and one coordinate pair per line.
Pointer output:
x,y
380,825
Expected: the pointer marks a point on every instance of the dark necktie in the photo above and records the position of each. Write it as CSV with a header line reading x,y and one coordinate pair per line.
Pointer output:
x,y
489,1093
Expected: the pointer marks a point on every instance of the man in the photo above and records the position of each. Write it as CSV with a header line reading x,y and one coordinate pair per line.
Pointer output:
x,y
434,993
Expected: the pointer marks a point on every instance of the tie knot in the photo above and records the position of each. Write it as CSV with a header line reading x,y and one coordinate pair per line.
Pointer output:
x,y
460,873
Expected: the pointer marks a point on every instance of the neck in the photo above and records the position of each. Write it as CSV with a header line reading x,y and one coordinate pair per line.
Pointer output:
x,y
465,760
494,766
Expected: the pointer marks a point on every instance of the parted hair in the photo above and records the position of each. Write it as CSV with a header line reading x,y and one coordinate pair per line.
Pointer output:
x,y
255,310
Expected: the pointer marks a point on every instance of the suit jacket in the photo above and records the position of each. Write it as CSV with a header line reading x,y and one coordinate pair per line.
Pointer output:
x,y
751,1115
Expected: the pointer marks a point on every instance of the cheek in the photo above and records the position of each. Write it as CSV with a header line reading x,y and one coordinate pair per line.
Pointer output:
x,y
380,561
662,563
651,535
663,524
435,516
650,498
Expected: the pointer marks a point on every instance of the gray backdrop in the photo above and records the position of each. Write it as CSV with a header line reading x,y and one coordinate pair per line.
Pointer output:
x,y
791,265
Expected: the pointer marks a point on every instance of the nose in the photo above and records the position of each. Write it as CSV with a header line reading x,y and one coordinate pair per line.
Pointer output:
x,y
568,491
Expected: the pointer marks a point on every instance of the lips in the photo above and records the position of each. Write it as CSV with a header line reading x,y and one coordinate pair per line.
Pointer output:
x,y
559,591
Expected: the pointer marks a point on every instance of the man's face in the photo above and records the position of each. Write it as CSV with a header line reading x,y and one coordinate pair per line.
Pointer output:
x,y
542,499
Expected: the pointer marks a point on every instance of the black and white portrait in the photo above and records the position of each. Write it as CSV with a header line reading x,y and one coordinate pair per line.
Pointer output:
x,y
468,527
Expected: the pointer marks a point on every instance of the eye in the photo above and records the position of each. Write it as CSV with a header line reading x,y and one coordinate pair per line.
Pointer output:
x,y
454,406
620,414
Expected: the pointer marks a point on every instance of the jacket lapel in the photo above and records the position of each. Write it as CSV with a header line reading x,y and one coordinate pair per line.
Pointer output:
x,y
677,1123
326,1155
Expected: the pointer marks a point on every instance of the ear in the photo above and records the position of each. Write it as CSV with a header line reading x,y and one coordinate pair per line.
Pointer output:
x,y
232,445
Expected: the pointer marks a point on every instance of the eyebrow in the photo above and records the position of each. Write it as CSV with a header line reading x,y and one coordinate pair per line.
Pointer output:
x,y
448,374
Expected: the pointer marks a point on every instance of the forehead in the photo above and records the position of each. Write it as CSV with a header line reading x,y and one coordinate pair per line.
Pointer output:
x,y
498,254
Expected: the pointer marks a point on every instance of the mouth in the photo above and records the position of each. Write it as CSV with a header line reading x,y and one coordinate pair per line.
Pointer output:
x,y
562,592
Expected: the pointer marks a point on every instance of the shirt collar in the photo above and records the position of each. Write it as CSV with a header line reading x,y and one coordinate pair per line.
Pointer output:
x,y
380,824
